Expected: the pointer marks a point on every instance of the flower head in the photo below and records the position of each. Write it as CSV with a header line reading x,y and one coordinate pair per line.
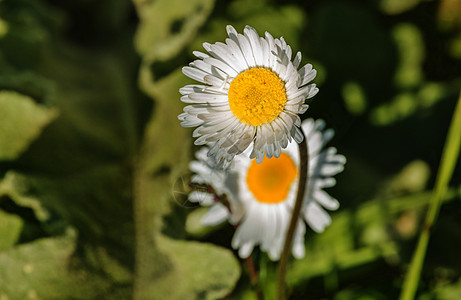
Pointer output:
x,y
251,94
261,196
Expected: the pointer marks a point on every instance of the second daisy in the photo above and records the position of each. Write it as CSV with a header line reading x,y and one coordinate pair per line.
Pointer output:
x,y
261,196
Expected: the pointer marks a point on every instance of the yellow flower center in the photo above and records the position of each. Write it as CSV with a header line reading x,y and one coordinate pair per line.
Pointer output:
x,y
270,181
257,96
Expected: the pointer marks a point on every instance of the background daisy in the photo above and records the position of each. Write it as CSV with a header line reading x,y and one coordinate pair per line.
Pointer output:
x,y
251,94
261,196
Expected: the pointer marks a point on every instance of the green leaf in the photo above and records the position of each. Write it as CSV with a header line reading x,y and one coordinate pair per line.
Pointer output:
x,y
393,7
30,27
21,122
30,270
356,238
406,104
198,271
444,292
410,45
80,171
285,20
16,187
167,26
411,179
354,98
47,269
3,28
10,230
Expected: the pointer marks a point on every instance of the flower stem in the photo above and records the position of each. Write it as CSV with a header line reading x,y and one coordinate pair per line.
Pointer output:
x,y
254,278
447,165
282,268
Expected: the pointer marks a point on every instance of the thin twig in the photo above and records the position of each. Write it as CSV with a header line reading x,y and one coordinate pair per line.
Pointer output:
x,y
254,277
302,184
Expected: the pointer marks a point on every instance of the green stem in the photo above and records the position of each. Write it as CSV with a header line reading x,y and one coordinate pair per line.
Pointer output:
x,y
282,268
447,165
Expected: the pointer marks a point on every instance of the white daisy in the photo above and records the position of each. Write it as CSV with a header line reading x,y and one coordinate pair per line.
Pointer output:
x,y
252,93
261,196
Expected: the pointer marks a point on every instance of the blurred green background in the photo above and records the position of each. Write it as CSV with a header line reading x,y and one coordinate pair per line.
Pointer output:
x,y
94,164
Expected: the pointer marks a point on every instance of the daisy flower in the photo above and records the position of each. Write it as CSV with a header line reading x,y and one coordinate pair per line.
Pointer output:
x,y
261,196
251,93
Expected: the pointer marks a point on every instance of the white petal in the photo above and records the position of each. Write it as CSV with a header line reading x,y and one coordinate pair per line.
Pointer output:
x,y
298,249
326,200
194,73
246,249
313,91
331,169
217,214
324,183
223,52
226,68
236,52
297,134
213,80
208,98
231,32
272,50
214,129
297,60
203,198
189,120
246,50
210,69
200,54
253,37
207,117
304,72
316,217
303,108
192,88
265,60
308,77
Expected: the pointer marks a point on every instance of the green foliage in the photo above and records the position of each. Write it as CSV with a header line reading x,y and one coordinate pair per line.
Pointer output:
x,y
393,7
196,270
91,150
285,20
411,51
167,26
21,121
15,186
37,267
447,165
444,292
354,98
10,229
357,238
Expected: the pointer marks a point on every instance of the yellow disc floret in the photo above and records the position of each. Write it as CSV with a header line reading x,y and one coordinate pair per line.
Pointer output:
x,y
257,96
271,180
